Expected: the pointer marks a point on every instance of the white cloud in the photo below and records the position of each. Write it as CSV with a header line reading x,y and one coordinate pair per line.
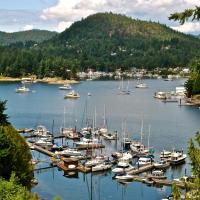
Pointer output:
x,y
188,27
63,25
158,10
28,27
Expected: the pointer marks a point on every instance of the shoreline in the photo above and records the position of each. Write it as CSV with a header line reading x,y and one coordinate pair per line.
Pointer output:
x,y
56,80
194,100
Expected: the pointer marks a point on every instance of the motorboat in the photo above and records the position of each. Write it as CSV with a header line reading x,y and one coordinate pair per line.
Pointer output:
x,y
110,136
41,131
124,177
165,154
44,142
87,142
119,169
103,131
143,161
72,95
69,133
102,167
141,85
163,164
162,95
157,174
177,157
94,161
126,157
65,87
22,89
69,152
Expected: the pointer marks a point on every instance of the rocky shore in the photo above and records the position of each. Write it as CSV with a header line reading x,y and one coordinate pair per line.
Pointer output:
x,y
56,80
194,100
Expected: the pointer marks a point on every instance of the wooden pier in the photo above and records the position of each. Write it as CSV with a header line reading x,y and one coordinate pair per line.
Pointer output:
x,y
156,181
41,149
141,169
96,146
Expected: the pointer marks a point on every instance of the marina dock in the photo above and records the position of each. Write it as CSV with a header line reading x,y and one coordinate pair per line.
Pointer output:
x,y
162,182
141,169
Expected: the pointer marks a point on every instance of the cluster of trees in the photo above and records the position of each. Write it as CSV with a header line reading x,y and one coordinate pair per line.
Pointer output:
x,y
16,171
193,83
103,41
192,185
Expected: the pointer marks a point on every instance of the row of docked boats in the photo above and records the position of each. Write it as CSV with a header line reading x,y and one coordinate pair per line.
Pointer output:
x,y
100,162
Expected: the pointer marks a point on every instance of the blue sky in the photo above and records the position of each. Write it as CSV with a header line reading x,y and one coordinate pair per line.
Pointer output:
x,y
57,15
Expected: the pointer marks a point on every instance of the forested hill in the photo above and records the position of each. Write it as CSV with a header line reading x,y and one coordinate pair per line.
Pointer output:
x,y
25,36
102,41
111,40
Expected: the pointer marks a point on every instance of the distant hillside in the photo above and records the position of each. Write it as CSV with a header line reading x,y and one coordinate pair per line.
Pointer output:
x,y
107,40
24,36
102,41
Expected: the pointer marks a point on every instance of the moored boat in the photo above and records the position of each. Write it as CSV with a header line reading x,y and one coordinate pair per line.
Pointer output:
x,y
177,157
65,87
22,89
101,167
141,85
72,95
163,164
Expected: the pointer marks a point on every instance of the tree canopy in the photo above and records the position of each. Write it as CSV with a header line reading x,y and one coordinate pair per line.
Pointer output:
x,y
14,152
12,190
182,17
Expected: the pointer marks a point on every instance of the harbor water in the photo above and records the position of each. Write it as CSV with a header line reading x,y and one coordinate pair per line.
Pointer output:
x,y
171,127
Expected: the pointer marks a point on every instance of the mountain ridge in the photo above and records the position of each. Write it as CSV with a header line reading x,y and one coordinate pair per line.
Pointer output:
x,y
35,35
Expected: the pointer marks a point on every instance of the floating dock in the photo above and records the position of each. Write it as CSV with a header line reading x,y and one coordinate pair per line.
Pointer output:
x,y
141,169
156,181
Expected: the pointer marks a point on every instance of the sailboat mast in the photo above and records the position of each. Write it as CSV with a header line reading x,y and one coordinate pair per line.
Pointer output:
x,y
149,135
141,132
95,117
64,117
104,116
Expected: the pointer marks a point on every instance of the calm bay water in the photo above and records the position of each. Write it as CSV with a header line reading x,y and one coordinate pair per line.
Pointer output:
x,y
171,127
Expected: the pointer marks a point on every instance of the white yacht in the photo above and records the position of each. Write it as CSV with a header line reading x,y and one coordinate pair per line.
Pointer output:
x,y
69,152
165,154
72,95
141,85
65,87
163,164
110,136
44,142
41,131
119,169
143,161
124,177
22,89
101,167
177,157
87,142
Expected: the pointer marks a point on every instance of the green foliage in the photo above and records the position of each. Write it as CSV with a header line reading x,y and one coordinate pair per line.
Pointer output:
x,y
194,153
193,83
3,116
176,193
25,38
12,190
14,156
103,41
184,16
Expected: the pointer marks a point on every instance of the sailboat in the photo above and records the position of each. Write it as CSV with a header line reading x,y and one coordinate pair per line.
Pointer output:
x,y
141,84
22,89
122,90
68,131
104,130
